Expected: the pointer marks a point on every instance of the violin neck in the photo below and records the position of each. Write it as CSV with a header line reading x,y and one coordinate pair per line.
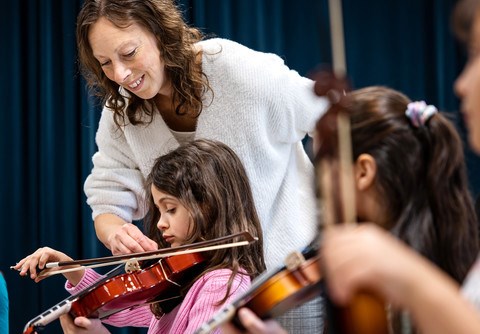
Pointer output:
x,y
53,313
49,315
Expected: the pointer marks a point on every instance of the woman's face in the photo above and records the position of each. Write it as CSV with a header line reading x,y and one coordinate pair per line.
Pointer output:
x,y
130,57
467,87
175,220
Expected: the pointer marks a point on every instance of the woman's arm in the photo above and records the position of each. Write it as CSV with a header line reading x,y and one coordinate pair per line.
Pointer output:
x,y
115,190
122,237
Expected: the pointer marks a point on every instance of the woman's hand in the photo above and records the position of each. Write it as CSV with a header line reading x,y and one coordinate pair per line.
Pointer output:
x,y
253,324
122,237
82,325
37,260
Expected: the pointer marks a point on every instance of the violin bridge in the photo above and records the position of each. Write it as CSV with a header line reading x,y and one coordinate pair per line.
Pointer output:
x,y
132,265
294,260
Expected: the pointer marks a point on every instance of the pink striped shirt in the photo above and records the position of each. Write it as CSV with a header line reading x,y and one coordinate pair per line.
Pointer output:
x,y
198,306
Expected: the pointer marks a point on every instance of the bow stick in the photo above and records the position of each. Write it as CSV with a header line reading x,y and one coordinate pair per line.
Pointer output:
x,y
201,246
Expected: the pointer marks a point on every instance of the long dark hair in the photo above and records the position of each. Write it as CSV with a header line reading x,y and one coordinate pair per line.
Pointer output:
x,y
175,41
208,178
421,177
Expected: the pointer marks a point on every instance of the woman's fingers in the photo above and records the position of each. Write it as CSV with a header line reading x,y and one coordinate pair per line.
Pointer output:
x,y
129,239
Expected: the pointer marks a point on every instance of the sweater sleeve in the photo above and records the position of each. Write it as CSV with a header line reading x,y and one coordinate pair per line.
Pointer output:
x,y
294,108
115,184
282,101
201,302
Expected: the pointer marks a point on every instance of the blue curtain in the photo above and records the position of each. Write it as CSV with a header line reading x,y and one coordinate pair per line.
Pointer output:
x,y
49,121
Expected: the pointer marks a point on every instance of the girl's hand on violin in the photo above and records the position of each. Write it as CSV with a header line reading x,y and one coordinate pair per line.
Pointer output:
x,y
37,260
129,239
253,324
82,325
366,257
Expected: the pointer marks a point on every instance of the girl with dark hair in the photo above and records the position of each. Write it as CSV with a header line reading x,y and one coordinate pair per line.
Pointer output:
x,y
367,257
410,179
200,191
418,188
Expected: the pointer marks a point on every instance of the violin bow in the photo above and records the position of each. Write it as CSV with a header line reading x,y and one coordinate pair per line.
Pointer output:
x,y
337,38
202,246
344,132
342,209
337,121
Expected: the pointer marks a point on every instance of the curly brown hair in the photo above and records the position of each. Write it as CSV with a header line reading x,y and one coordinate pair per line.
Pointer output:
x,y
175,40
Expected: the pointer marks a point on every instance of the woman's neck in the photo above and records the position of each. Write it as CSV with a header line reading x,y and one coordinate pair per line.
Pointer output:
x,y
180,123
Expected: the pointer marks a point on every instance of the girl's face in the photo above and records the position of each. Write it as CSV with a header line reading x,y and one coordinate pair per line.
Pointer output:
x,y
467,87
175,220
130,57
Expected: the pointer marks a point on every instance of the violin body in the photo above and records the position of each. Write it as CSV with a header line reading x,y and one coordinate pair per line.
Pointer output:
x,y
286,290
136,288
111,295
274,293
365,314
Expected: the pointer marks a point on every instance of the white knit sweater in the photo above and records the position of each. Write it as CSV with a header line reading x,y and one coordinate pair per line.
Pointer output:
x,y
262,110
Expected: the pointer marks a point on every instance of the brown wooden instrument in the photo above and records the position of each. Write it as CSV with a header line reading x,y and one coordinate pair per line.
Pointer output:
x,y
275,292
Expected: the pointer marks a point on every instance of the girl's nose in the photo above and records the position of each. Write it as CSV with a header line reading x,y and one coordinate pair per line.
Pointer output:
x,y
162,224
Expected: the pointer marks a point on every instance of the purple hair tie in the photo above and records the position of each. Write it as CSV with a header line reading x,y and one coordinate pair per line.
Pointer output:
x,y
419,113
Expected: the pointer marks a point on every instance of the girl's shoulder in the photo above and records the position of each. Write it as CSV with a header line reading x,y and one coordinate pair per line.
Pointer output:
x,y
220,277
218,274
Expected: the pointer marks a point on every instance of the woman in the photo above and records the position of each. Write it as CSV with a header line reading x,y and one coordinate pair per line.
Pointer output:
x,y
163,85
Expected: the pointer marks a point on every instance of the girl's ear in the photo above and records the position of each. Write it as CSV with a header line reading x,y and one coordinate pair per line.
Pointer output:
x,y
365,172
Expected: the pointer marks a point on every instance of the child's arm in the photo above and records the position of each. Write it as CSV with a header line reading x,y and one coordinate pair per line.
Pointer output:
x,y
366,257
39,258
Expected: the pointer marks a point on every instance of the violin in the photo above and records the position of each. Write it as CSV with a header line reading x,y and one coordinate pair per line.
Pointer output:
x,y
114,294
275,292
117,291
